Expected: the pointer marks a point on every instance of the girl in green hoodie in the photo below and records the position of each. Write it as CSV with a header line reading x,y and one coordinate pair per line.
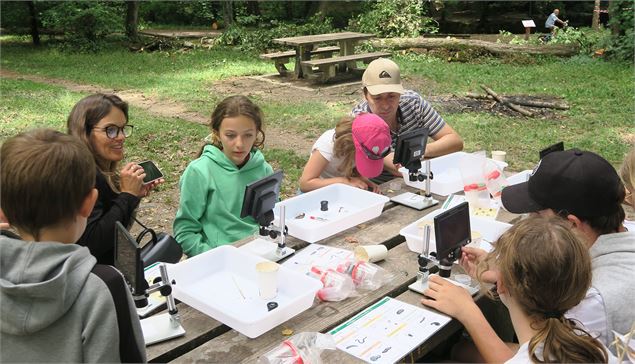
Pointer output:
x,y
213,185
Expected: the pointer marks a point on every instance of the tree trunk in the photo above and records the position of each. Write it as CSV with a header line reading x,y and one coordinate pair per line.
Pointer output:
x,y
562,50
595,23
33,20
614,8
132,20
228,13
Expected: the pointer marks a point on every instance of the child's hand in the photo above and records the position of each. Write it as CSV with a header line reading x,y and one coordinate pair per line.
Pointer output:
x,y
470,258
357,182
131,180
448,298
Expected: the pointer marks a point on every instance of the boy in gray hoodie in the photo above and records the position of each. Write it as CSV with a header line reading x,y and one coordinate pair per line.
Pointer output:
x,y
56,304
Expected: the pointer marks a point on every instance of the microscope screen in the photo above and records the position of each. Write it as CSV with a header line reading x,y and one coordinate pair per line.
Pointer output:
x,y
452,231
126,250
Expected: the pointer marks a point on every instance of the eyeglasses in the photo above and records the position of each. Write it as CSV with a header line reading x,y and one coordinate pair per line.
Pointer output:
x,y
112,131
373,156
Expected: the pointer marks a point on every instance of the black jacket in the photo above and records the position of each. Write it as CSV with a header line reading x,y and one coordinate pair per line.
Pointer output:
x,y
99,236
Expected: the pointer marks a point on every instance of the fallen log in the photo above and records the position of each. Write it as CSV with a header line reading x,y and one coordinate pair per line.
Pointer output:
x,y
522,101
560,50
505,102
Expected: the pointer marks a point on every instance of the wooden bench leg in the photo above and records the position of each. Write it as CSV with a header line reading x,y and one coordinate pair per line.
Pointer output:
x,y
281,66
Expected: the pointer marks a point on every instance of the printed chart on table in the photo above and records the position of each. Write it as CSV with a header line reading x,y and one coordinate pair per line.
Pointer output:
x,y
387,331
318,255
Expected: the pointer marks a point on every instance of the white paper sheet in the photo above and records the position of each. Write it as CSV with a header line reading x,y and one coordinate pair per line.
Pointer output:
x,y
387,331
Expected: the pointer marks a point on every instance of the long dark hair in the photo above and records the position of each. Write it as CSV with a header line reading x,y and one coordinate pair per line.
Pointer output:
x,y
84,116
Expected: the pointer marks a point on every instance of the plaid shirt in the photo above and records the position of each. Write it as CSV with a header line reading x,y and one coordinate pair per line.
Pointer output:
x,y
413,112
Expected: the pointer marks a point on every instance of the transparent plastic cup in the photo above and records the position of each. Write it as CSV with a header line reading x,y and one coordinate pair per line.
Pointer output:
x,y
337,286
267,279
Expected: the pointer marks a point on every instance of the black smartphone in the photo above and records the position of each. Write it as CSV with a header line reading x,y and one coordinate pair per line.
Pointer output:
x,y
558,147
151,170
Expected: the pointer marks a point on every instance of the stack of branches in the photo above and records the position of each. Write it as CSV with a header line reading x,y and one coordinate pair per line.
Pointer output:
x,y
516,103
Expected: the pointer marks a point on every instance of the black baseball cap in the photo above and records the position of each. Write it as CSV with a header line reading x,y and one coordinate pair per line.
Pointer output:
x,y
580,182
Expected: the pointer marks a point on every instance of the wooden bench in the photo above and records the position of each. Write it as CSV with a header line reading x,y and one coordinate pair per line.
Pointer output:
x,y
280,59
326,66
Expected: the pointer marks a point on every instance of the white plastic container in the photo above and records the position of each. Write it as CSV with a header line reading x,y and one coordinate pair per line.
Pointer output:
x,y
222,283
347,206
487,229
447,177
519,177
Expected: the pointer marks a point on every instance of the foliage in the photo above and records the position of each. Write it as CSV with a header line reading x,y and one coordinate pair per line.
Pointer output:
x,y
261,38
85,24
394,18
621,45
178,12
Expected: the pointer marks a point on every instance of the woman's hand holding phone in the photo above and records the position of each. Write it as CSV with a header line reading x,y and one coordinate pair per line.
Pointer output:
x,y
131,180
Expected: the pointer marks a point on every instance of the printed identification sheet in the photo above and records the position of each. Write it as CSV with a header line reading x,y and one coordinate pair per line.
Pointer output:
x,y
387,331
317,255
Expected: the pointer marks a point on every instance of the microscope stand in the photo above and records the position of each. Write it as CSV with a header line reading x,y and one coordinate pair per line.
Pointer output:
x,y
421,284
414,200
160,328
267,249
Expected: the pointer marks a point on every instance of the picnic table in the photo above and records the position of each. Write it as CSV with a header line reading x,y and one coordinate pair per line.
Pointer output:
x,y
208,340
305,53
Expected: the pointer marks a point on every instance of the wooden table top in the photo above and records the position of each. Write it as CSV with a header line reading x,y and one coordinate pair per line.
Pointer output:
x,y
321,38
210,341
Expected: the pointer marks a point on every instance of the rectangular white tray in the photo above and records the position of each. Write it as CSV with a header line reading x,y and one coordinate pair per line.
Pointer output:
x,y
347,206
489,229
519,177
446,175
216,281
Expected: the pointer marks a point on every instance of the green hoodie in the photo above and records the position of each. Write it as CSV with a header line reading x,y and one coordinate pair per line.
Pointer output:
x,y
212,190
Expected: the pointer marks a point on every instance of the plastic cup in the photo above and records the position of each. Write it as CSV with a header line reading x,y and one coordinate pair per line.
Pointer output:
x,y
395,185
371,253
267,279
499,155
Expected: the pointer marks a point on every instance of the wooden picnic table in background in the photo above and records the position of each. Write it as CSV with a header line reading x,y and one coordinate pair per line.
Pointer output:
x,y
210,341
305,49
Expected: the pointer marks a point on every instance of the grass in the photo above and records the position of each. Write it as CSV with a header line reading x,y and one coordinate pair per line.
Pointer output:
x,y
600,94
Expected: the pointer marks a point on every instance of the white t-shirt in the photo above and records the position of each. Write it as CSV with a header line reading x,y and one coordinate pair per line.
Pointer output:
x,y
591,313
522,356
325,145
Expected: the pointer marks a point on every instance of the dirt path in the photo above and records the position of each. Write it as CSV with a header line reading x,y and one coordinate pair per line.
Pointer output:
x,y
276,137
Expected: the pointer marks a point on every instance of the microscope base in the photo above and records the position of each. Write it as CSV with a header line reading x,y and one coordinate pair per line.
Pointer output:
x,y
159,328
267,249
414,200
420,286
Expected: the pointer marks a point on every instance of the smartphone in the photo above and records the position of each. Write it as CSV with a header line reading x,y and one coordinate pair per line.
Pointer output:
x,y
151,170
558,147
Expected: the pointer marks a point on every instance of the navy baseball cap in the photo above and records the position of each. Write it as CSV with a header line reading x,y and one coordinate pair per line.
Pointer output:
x,y
580,182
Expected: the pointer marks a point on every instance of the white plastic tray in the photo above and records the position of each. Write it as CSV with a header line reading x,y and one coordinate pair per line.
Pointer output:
x,y
489,229
445,170
216,281
347,206
519,177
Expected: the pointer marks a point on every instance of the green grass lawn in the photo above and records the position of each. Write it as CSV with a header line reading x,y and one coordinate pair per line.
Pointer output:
x,y
600,94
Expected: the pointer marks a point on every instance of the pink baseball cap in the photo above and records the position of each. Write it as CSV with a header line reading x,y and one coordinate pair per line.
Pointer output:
x,y
371,136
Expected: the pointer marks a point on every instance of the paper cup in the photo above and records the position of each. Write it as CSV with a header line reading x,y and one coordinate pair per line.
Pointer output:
x,y
371,253
499,155
267,279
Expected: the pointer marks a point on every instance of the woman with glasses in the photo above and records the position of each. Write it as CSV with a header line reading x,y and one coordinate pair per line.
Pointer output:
x,y
351,153
101,122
